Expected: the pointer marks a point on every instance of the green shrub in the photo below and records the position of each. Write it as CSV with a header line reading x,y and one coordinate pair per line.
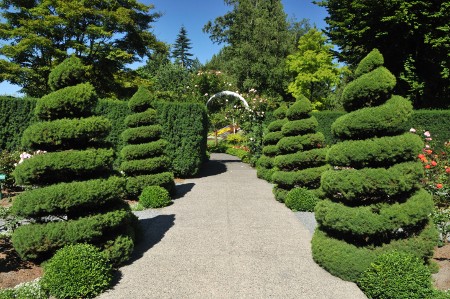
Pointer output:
x,y
325,119
272,138
235,139
72,101
141,101
276,125
64,166
145,118
77,271
16,114
154,197
65,133
270,150
369,63
185,127
309,177
376,86
7,166
144,150
293,144
70,72
25,290
299,110
135,185
142,134
373,202
67,198
301,160
301,199
280,112
397,275
145,166
299,127
240,153
38,241
119,250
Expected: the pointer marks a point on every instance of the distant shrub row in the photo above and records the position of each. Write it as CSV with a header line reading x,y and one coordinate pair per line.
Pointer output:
x,y
184,126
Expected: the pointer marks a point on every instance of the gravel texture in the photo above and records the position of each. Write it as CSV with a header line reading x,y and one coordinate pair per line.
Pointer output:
x,y
225,236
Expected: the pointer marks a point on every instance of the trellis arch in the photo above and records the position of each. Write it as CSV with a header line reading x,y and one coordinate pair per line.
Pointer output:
x,y
229,93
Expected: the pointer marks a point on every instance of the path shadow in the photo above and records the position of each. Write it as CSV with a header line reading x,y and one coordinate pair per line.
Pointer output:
x,y
152,232
182,189
211,168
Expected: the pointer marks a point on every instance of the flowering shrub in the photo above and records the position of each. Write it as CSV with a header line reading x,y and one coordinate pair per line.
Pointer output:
x,y
436,180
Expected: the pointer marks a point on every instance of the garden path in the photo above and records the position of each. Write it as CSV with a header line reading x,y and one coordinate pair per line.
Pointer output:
x,y
226,237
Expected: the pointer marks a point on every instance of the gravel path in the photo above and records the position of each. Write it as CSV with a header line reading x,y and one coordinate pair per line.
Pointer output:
x,y
226,237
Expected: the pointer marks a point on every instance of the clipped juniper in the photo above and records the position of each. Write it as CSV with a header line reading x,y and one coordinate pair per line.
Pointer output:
x,y
75,198
144,160
265,167
302,158
374,203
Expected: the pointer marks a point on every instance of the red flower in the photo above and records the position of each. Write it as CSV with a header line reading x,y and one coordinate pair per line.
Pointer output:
x,y
433,163
427,166
421,156
428,151
439,186
447,170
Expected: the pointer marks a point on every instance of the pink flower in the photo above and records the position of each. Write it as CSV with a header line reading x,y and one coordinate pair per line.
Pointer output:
x,y
427,146
427,134
439,186
428,139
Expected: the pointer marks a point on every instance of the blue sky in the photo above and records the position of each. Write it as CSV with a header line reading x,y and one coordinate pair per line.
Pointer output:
x,y
194,15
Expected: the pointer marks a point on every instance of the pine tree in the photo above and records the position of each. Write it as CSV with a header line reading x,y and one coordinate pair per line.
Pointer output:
x,y
374,203
181,49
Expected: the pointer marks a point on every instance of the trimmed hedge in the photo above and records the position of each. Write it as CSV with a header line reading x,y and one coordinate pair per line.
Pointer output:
x,y
16,115
163,179
301,199
185,127
292,144
325,119
373,203
64,166
65,133
69,202
144,153
300,127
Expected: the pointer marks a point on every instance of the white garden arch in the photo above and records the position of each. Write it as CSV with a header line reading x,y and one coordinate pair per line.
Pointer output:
x,y
229,93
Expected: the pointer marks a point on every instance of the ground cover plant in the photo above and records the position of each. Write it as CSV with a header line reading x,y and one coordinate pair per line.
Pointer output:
x,y
374,202
144,160
74,198
301,157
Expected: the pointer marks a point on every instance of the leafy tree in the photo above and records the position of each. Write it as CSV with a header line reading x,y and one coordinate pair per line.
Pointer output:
x,y
411,35
315,73
181,49
258,40
105,35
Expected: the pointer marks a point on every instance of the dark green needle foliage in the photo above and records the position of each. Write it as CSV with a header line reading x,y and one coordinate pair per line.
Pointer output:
x,y
265,166
75,198
373,202
144,162
300,159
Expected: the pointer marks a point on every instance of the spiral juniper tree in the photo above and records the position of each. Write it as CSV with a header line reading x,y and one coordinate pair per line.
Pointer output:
x,y
265,167
144,161
301,159
374,203
74,198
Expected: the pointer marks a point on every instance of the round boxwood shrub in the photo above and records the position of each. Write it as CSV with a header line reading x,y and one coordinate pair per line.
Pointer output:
x,y
397,275
301,199
154,197
77,271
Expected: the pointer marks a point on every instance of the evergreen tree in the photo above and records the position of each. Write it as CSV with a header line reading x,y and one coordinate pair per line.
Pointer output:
x,y
301,159
180,51
105,35
412,36
75,198
258,40
374,203
144,160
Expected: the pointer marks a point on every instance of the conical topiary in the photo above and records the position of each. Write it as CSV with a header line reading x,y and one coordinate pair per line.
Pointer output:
x,y
74,198
265,167
374,202
301,158
144,162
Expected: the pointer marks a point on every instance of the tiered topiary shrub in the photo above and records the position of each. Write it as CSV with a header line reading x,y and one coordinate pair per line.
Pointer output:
x,y
265,167
74,198
144,162
301,159
374,202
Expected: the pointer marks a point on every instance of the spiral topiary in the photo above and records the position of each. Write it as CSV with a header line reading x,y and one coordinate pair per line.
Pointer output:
x,y
373,203
301,158
75,198
144,160
264,165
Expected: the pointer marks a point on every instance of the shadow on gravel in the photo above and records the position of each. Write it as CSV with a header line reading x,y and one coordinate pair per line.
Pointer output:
x,y
212,168
182,190
153,231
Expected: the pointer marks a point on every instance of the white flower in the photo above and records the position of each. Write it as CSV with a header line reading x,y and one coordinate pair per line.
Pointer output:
x,y
427,134
206,94
412,130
